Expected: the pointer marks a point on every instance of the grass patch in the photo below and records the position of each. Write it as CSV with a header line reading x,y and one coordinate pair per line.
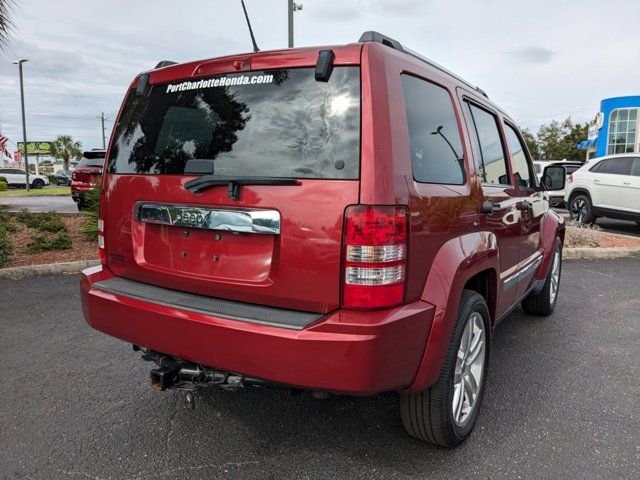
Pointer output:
x,y
21,192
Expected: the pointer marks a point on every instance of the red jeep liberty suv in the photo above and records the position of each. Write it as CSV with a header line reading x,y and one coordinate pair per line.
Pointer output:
x,y
347,219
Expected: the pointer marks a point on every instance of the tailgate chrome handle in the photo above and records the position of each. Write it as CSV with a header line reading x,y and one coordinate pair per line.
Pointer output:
x,y
265,222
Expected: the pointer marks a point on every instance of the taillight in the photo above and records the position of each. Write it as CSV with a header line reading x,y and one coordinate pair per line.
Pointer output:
x,y
570,178
375,256
73,176
102,253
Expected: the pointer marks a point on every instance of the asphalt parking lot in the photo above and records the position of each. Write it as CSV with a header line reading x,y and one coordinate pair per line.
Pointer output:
x,y
562,401
40,203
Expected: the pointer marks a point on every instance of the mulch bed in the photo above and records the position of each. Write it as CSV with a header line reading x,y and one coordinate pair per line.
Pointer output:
x,y
590,237
82,249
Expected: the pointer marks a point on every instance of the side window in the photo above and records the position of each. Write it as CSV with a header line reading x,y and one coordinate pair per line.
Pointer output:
x,y
519,162
486,138
434,138
596,168
635,168
616,166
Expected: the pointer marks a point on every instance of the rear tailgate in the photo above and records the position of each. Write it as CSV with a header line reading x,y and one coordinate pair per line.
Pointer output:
x,y
298,269
288,126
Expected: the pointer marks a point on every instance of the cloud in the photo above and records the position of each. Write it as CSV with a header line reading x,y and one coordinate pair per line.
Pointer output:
x,y
82,61
531,54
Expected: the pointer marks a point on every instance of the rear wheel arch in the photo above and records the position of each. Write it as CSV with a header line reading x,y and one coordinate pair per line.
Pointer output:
x,y
580,191
457,262
486,284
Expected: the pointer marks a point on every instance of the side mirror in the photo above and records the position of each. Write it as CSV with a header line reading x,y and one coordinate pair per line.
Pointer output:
x,y
553,178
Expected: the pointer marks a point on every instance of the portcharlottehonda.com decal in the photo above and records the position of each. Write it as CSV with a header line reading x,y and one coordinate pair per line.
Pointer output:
x,y
219,82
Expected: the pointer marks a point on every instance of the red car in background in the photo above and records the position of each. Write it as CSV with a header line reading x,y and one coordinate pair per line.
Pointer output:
x,y
86,175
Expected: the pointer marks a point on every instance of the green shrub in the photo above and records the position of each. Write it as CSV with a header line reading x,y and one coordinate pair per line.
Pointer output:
x,y
91,213
6,248
6,223
4,185
45,221
44,243
52,179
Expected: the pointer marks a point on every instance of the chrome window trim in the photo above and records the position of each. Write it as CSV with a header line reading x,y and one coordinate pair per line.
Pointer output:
x,y
263,222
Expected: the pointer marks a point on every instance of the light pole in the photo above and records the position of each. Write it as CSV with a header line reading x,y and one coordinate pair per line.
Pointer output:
x,y
24,120
293,7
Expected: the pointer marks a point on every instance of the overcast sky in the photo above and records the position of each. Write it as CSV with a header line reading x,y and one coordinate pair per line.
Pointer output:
x,y
539,60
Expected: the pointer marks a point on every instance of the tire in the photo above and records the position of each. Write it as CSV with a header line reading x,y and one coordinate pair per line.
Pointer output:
x,y
37,184
544,303
429,415
581,210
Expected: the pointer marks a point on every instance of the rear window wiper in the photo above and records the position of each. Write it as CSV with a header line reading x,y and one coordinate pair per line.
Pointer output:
x,y
233,191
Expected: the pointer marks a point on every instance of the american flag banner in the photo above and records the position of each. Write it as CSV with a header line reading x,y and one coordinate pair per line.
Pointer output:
x,y
3,146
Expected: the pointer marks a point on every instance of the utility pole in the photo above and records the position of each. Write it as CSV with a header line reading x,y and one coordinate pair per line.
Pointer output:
x,y
104,136
24,120
293,7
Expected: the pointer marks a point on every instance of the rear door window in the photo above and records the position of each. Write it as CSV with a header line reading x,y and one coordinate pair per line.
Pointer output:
x,y
519,162
280,123
434,137
635,168
492,165
616,166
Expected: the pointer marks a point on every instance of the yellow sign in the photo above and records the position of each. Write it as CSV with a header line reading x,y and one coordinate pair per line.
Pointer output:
x,y
36,148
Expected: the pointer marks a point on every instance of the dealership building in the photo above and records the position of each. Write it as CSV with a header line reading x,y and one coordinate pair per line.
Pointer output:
x,y
615,128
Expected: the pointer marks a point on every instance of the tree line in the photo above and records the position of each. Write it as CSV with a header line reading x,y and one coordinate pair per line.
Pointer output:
x,y
557,140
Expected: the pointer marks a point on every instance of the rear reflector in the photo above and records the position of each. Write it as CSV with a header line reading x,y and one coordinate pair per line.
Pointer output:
x,y
102,252
375,256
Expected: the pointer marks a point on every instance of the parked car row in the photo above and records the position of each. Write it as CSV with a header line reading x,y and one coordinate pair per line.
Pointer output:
x,y
17,177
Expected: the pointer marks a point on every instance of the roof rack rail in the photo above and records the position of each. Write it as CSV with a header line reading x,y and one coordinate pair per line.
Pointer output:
x,y
372,36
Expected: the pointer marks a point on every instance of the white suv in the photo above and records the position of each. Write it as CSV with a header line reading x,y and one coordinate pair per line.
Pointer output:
x,y
605,187
18,178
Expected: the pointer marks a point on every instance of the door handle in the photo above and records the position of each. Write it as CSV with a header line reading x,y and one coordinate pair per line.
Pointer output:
x,y
595,180
626,182
524,205
490,207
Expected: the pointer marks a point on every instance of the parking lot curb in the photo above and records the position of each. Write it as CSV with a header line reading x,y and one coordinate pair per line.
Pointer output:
x,y
579,253
46,270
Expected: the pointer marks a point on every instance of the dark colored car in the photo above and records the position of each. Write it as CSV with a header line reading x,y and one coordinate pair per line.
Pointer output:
x,y
347,220
86,175
63,177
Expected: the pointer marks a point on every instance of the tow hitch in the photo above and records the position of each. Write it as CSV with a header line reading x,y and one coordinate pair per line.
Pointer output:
x,y
177,374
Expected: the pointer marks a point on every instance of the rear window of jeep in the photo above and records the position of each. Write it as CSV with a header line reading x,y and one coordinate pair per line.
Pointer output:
x,y
279,123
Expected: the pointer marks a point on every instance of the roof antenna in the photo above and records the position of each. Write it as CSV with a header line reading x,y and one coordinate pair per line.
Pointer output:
x,y
253,39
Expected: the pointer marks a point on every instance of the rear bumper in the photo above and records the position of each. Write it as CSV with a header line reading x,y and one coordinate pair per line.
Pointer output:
x,y
354,352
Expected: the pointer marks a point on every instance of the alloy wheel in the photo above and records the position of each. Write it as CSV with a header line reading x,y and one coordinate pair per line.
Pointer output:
x,y
555,277
579,210
469,370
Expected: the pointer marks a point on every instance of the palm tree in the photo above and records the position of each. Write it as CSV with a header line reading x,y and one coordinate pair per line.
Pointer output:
x,y
5,22
66,148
